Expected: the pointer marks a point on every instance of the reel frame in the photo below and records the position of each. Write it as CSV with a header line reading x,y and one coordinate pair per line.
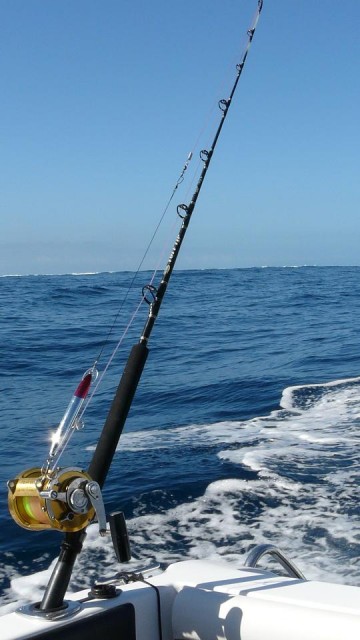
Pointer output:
x,y
66,500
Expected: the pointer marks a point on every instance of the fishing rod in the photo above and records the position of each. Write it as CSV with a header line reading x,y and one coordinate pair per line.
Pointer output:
x,y
69,499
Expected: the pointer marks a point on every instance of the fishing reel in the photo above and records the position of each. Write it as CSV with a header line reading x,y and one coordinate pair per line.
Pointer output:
x,y
54,498
65,499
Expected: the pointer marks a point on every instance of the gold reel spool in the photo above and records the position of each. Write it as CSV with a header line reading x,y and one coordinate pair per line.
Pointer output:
x,y
59,501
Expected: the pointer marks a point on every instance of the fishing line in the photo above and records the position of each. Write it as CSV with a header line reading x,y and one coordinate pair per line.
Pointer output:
x,y
143,298
183,211
180,179
149,286
204,158
178,182
113,354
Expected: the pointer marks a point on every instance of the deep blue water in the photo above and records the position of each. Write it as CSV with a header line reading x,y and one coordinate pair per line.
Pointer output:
x,y
244,427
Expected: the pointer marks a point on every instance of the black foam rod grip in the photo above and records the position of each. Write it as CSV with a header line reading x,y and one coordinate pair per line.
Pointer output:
x,y
115,421
120,536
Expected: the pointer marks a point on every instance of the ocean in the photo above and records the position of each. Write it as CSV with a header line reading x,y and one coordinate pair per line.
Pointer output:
x,y
244,429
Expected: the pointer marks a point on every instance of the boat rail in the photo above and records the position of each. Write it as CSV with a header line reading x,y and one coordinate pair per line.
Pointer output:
x,y
262,550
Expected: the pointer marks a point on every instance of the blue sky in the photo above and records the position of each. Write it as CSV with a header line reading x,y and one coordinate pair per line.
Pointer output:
x,y
103,100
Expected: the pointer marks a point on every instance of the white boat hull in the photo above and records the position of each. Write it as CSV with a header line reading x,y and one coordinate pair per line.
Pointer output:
x,y
202,600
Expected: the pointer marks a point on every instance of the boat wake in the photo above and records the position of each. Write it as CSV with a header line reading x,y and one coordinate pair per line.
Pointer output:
x,y
290,478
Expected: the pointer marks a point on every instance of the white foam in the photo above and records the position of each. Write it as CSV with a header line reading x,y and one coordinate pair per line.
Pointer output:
x,y
301,494
287,399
